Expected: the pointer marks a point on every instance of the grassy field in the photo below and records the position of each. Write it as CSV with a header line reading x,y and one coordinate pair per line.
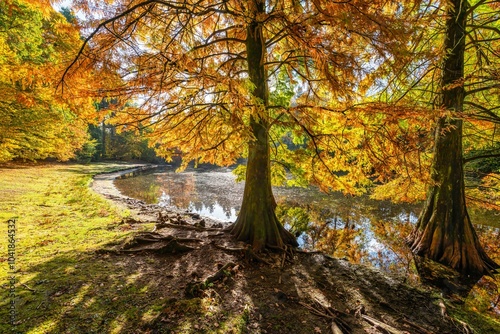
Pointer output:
x,y
59,224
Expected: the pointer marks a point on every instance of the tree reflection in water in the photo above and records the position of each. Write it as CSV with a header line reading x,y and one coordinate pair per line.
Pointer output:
x,y
210,193
354,232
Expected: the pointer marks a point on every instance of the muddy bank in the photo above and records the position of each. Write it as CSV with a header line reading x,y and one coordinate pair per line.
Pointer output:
x,y
103,183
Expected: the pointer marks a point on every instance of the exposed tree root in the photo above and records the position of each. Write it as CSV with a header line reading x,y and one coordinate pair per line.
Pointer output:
x,y
335,328
464,327
170,247
228,228
381,326
416,328
152,237
195,289
154,242
184,226
287,250
247,252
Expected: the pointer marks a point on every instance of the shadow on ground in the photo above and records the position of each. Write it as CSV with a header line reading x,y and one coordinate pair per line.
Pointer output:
x,y
113,291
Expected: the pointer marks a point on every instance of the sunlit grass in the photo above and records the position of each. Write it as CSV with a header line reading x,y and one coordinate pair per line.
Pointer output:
x,y
60,222
63,285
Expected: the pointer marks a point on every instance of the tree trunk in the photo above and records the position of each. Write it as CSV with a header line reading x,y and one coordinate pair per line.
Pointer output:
x,y
257,222
444,232
103,141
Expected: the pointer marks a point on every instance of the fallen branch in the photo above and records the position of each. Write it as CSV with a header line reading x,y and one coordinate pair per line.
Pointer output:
x,y
339,326
381,326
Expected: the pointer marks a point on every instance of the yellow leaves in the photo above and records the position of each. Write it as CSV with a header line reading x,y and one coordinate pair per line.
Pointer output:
x,y
37,122
401,190
25,100
43,6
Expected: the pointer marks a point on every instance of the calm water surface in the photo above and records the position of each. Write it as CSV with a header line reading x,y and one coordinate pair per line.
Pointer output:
x,y
356,228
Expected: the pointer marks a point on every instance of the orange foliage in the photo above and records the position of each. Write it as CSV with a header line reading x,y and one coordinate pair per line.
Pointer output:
x,y
184,65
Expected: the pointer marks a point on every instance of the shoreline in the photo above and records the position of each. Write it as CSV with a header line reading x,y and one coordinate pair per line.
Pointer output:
x,y
103,183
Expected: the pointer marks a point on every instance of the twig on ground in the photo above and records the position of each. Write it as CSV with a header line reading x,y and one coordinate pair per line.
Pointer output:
x,y
329,312
28,288
381,326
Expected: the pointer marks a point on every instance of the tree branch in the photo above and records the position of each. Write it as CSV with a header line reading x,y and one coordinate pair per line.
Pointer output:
x,y
482,156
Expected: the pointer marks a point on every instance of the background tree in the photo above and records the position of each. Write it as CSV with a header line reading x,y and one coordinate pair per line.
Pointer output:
x,y
444,231
203,71
116,141
35,122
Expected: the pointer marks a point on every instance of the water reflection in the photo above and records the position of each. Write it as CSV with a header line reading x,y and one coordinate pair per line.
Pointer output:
x,y
211,193
357,229
372,233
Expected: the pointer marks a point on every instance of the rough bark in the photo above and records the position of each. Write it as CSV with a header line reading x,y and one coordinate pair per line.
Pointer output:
x,y
444,232
257,222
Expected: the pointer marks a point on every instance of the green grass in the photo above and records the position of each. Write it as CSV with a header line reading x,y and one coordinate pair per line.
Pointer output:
x,y
60,222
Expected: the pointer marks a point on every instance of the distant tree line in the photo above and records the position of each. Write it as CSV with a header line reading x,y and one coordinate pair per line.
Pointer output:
x,y
115,142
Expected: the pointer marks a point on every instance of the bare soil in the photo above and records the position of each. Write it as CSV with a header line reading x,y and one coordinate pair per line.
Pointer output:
x,y
211,283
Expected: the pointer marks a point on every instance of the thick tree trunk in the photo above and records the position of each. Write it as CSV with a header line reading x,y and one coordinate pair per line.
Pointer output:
x,y
257,222
444,232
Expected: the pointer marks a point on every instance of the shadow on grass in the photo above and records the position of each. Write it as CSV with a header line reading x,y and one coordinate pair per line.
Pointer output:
x,y
90,293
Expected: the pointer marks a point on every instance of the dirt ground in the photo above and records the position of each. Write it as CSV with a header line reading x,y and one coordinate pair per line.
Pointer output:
x,y
212,283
